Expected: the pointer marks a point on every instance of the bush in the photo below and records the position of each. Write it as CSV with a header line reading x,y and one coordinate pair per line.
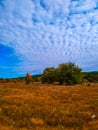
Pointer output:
x,y
28,78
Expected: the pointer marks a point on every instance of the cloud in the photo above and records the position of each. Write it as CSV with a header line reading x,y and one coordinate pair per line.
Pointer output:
x,y
45,33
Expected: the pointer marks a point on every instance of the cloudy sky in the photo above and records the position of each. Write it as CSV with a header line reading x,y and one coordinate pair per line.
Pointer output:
x,y
35,34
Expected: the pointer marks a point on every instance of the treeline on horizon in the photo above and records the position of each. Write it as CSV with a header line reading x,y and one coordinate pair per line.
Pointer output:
x,y
65,73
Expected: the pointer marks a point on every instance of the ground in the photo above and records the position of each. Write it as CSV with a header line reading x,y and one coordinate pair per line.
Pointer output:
x,y
37,106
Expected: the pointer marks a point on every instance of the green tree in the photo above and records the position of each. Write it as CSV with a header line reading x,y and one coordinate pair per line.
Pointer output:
x,y
69,73
61,73
49,75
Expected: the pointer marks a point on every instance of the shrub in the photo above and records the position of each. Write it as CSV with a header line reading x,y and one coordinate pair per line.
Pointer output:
x,y
28,78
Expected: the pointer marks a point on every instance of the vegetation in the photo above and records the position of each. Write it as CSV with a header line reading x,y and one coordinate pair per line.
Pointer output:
x,y
70,74
91,76
48,107
28,78
39,106
67,73
49,75
37,78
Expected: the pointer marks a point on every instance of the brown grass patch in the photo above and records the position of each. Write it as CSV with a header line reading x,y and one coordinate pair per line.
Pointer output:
x,y
48,107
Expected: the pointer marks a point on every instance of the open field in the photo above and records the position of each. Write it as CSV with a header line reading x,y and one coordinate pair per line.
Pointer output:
x,y
48,107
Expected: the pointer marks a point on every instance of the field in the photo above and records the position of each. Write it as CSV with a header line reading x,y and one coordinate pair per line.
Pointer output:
x,y
38,106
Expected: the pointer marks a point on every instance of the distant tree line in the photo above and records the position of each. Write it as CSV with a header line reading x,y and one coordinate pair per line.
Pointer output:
x,y
67,73
91,76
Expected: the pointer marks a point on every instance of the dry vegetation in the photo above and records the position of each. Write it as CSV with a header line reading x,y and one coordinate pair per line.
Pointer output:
x,y
48,107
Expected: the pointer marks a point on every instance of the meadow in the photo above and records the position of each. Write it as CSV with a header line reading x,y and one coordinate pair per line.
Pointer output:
x,y
37,106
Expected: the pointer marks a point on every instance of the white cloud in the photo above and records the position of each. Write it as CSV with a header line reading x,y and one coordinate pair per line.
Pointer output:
x,y
46,33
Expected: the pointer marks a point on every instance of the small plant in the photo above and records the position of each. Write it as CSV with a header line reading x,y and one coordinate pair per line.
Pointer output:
x,y
28,78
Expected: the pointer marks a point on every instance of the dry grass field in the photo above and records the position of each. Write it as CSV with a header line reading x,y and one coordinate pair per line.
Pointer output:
x,y
38,106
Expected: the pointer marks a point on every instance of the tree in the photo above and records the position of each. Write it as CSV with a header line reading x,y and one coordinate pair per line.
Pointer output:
x,y
28,78
61,73
49,75
69,73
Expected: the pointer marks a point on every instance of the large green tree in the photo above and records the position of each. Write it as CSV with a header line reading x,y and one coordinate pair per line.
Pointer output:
x,y
61,73
69,73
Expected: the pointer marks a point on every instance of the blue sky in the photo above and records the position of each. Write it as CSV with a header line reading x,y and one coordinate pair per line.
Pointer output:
x,y
35,34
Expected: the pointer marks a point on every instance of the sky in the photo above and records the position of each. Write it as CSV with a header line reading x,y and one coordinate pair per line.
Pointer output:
x,y
35,34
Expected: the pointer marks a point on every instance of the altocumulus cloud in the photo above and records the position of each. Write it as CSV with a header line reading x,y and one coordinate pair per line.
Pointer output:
x,y
44,33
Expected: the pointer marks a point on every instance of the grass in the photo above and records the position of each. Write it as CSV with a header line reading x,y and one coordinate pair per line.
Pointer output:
x,y
48,107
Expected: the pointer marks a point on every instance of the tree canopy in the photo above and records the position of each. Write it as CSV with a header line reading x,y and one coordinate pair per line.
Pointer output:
x,y
49,75
68,73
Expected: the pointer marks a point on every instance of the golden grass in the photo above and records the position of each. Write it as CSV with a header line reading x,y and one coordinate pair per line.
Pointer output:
x,y
48,107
